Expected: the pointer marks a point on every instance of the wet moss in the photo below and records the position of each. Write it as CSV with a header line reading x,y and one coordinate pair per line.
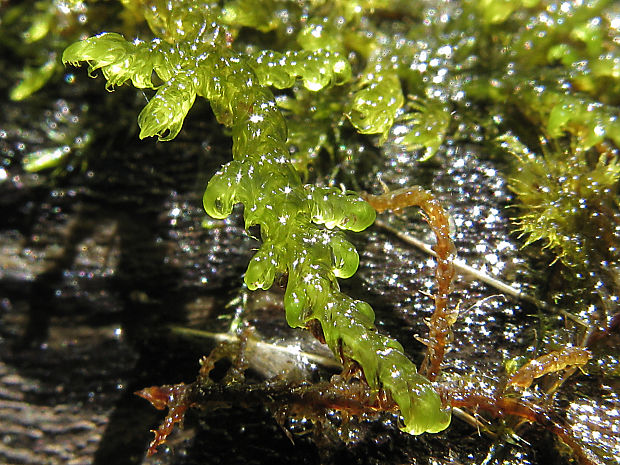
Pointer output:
x,y
551,66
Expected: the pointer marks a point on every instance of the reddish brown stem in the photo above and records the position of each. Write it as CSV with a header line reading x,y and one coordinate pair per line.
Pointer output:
x,y
549,363
179,397
314,400
176,399
443,317
501,407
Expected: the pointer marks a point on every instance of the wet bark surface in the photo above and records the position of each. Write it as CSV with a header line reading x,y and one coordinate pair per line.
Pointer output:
x,y
101,266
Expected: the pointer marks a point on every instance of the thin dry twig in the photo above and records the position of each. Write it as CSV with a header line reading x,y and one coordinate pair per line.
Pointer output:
x,y
462,267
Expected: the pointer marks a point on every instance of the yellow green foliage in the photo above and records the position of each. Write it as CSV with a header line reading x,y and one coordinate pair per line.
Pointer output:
x,y
552,66
33,80
300,225
424,126
565,196
373,108
45,28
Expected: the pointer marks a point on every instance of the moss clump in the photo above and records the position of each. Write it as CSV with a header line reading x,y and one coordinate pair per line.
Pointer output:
x,y
35,33
300,224
551,67
566,197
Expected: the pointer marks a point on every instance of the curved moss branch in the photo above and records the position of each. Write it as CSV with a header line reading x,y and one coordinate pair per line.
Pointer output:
x,y
300,224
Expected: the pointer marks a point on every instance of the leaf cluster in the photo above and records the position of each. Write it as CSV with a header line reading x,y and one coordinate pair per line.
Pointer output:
x,y
300,225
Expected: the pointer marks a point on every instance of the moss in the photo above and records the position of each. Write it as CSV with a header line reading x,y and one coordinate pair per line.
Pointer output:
x,y
565,197
424,126
44,29
549,67
299,223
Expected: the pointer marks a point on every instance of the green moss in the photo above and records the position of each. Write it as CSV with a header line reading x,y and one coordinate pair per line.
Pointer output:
x,y
300,225
424,127
551,67
565,197
589,121
45,28
374,107
33,80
